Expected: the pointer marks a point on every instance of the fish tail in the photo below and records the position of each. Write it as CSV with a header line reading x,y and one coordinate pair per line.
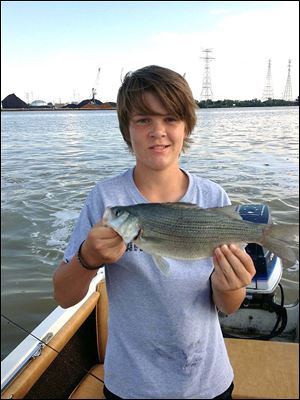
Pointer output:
x,y
277,238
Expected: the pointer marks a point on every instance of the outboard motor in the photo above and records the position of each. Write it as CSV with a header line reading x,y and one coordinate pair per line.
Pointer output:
x,y
268,265
260,293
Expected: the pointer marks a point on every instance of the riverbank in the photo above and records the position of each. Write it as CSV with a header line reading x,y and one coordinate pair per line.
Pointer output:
x,y
202,104
246,103
57,109
14,103
114,108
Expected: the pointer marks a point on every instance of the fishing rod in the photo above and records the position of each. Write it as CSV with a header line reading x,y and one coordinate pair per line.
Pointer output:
x,y
72,363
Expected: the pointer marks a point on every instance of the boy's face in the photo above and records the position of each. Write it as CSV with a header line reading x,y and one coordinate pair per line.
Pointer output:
x,y
157,138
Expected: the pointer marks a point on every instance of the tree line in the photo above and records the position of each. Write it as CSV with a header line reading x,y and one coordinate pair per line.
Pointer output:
x,y
246,103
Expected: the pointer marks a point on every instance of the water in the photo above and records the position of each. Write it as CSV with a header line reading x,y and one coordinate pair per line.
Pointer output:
x,y
51,160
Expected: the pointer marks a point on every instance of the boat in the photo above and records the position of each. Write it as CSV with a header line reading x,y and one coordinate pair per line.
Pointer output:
x,y
63,357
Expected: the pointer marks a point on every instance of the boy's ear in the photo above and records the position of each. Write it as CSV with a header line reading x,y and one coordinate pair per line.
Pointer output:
x,y
185,131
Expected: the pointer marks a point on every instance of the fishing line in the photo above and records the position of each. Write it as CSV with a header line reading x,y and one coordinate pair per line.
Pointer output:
x,y
290,281
73,364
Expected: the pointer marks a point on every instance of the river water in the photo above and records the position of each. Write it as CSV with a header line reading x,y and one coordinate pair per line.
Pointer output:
x,y
51,160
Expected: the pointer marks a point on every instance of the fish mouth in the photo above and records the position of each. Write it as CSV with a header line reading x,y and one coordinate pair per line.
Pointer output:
x,y
138,234
125,225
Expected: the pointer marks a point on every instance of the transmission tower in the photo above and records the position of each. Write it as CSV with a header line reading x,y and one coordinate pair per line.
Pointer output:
x,y
268,89
287,95
206,93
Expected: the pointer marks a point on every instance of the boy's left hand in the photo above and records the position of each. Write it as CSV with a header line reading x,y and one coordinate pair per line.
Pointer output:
x,y
234,268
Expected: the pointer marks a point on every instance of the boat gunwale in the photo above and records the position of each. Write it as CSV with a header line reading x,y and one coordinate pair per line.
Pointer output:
x,y
29,348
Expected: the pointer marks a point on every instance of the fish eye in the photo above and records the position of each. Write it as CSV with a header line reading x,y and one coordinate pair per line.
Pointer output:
x,y
117,212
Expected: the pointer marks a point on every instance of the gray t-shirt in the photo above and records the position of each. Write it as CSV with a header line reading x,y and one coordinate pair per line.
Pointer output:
x,y
165,340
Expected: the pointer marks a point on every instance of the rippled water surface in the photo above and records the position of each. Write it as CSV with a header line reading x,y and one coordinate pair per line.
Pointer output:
x,y
51,160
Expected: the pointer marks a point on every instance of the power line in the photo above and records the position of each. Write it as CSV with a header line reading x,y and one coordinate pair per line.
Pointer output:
x,y
287,95
268,89
206,93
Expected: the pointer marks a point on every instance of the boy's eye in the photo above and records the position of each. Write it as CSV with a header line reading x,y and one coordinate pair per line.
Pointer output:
x,y
171,119
143,121
146,120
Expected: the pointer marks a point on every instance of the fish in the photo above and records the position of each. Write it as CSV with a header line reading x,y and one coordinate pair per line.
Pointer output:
x,y
186,231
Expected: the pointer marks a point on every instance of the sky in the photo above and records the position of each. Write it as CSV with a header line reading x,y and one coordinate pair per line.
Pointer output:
x,y
52,50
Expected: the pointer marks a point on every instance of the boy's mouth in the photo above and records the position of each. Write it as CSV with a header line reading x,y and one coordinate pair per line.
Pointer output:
x,y
159,147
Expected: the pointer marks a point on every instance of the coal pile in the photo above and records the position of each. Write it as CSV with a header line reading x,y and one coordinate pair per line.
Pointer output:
x,y
111,104
13,101
72,105
84,103
92,105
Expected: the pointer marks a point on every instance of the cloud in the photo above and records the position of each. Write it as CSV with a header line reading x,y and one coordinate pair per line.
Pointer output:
x,y
242,44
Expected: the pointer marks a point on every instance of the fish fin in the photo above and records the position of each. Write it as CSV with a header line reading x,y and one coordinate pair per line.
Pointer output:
x,y
242,245
162,264
230,211
277,238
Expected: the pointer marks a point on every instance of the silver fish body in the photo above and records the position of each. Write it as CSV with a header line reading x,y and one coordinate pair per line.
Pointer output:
x,y
186,231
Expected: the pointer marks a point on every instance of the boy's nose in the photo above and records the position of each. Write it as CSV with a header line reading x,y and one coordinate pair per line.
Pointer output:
x,y
157,129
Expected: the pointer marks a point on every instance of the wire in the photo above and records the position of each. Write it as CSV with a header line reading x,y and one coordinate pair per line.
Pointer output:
x,y
281,317
46,344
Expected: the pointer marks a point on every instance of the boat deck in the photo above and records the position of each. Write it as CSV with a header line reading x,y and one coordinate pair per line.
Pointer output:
x,y
263,369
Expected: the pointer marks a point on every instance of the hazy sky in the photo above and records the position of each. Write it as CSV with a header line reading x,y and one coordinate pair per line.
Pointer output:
x,y
51,50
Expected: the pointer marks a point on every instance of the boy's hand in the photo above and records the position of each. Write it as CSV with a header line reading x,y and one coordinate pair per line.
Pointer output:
x,y
103,245
234,268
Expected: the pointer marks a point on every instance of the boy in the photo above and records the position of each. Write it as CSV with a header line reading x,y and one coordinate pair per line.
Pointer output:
x,y
164,336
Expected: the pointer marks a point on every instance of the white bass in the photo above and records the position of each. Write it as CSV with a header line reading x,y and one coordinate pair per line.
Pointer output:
x,y
186,231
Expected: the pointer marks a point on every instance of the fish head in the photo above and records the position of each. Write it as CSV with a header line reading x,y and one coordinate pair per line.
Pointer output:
x,y
122,222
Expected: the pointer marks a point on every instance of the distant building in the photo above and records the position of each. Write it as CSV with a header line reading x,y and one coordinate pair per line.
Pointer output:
x,y
38,103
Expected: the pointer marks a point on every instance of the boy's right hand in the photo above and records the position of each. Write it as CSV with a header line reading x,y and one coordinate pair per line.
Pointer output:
x,y
102,245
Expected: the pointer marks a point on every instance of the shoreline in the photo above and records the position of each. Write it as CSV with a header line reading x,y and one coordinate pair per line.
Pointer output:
x,y
58,109
114,108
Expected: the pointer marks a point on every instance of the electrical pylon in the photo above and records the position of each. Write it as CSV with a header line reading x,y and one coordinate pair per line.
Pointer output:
x,y
268,89
206,93
287,95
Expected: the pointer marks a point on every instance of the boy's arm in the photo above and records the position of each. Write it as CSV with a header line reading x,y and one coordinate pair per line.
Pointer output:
x,y
71,280
234,270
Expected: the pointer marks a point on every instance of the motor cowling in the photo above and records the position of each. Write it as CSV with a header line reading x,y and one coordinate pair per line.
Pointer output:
x,y
268,266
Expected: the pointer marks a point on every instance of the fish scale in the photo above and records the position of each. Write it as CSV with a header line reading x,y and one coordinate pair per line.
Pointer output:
x,y
165,226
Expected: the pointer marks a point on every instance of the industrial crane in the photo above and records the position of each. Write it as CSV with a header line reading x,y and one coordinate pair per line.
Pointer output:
x,y
94,89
